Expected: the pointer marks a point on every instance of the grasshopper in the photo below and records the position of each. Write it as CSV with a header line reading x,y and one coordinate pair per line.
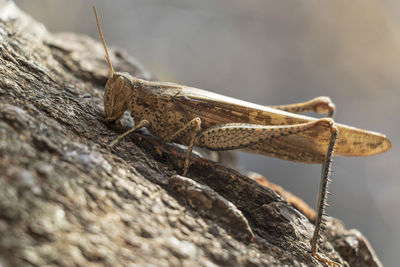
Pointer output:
x,y
195,117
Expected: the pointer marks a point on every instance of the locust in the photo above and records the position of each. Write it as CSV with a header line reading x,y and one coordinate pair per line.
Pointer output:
x,y
195,117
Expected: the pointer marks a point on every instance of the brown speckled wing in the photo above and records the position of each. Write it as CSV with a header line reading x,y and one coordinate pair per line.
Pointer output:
x,y
309,146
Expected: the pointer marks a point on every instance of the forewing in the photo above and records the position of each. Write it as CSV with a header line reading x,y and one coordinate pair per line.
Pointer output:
x,y
309,146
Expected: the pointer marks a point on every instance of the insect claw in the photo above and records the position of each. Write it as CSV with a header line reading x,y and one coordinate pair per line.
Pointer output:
x,y
323,259
109,147
113,144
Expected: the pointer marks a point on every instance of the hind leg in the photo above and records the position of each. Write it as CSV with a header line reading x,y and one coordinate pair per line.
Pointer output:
x,y
319,105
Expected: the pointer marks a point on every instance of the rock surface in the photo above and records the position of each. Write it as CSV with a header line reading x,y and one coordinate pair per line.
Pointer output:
x,y
66,199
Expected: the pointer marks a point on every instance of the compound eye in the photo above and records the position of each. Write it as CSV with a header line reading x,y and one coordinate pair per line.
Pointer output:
x,y
119,85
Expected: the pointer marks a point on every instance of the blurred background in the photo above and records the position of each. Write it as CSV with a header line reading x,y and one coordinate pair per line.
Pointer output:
x,y
277,52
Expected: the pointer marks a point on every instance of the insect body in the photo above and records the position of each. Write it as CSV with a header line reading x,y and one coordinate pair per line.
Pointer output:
x,y
195,117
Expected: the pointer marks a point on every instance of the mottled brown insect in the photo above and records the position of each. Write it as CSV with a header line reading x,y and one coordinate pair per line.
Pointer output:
x,y
195,117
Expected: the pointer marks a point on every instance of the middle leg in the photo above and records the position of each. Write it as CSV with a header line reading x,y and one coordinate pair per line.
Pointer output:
x,y
190,130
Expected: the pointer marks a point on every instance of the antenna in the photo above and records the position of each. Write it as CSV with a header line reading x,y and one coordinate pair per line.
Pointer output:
x,y
104,43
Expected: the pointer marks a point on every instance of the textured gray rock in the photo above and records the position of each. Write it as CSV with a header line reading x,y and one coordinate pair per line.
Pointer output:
x,y
66,199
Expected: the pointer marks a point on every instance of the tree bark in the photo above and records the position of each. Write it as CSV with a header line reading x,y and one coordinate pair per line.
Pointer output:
x,y
67,199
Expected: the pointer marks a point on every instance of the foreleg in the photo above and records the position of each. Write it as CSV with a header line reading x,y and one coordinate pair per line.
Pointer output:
x,y
141,124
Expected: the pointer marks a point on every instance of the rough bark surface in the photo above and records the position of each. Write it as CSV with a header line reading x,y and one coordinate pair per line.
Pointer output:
x,y
66,199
